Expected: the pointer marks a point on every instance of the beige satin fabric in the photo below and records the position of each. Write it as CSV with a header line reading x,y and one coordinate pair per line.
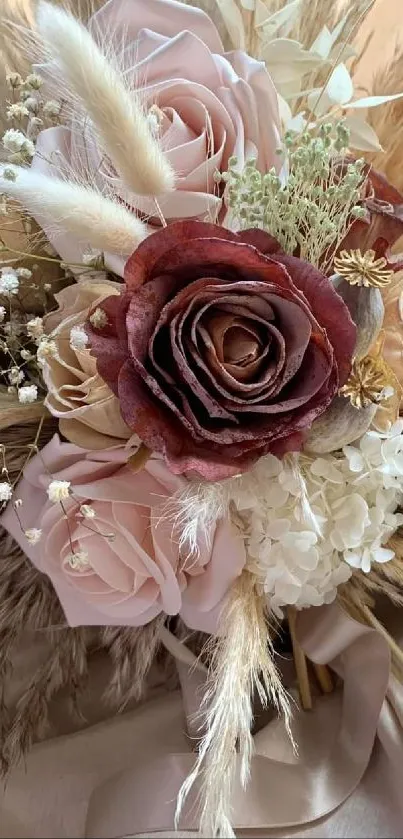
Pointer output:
x,y
335,745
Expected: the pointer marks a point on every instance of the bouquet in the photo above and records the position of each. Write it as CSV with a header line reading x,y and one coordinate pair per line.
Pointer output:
x,y
214,370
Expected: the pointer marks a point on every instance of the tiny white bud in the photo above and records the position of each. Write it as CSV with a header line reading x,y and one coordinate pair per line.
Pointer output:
x,y
33,535
87,511
18,503
3,313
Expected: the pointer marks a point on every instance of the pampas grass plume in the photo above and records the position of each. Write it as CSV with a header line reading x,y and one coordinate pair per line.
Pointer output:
x,y
115,110
87,214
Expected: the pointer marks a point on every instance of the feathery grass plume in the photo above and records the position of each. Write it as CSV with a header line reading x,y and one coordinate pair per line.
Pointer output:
x,y
241,664
115,110
89,215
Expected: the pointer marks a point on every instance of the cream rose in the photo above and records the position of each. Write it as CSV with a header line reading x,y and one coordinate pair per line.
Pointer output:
x,y
206,105
88,411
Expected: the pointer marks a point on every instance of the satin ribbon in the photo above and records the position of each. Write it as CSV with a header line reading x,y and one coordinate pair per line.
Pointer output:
x,y
335,745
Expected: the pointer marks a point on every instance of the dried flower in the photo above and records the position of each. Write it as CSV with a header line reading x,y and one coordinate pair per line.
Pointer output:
x,y
87,511
14,80
9,283
27,394
16,376
363,269
98,319
78,338
6,491
34,81
79,561
35,327
24,273
13,140
366,384
58,491
33,535
3,313
52,108
17,111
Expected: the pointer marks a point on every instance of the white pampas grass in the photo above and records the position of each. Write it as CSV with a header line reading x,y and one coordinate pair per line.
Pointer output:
x,y
242,663
115,110
80,210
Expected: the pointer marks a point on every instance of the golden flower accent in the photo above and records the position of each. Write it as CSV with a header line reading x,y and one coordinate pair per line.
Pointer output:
x,y
368,383
363,269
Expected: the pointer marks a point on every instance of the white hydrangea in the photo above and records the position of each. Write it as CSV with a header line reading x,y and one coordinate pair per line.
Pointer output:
x,y
309,520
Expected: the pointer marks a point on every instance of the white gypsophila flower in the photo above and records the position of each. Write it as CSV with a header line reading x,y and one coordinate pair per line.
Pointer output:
x,y
17,111
9,283
78,338
24,273
58,491
33,535
87,511
3,313
35,327
308,521
98,318
47,348
13,140
16,376
27,355
31,103
6,491
79,561
27,394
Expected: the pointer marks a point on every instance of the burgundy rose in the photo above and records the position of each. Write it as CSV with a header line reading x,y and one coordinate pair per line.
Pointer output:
x,y
219,352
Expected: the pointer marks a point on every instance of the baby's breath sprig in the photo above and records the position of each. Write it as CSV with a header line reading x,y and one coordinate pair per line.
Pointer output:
x,y
310,208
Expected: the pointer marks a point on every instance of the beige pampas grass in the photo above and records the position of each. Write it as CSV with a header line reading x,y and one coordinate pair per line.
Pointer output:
x,y
104,224
115,110
242,664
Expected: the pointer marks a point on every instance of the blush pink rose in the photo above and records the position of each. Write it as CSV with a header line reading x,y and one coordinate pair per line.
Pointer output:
x,y
142,572
206,105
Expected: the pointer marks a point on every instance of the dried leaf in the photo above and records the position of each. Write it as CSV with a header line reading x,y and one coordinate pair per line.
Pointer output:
x,y
362,135
323,44
374,101
232,17
340,87
339,426
283,17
